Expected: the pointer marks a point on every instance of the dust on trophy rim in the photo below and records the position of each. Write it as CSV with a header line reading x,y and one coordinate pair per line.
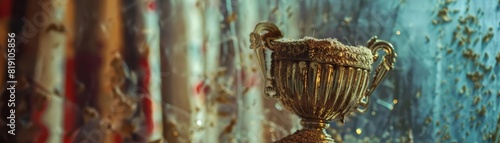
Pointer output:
x,y
323,51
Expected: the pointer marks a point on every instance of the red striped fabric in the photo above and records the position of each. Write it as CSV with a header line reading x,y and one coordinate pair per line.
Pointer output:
x,y
147,102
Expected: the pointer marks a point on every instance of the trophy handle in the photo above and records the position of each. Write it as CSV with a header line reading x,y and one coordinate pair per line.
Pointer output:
x,y
381,70
261,40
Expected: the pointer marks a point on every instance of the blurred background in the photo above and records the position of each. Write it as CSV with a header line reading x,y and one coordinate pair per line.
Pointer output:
x,y
182,70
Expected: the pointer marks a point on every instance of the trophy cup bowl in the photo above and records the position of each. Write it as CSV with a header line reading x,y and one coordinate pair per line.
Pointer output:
x,y
320,80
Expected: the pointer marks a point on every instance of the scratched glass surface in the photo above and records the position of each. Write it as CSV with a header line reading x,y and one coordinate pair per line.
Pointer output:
x,y
445,86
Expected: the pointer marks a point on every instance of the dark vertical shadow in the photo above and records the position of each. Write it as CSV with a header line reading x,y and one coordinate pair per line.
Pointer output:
x,y
18,10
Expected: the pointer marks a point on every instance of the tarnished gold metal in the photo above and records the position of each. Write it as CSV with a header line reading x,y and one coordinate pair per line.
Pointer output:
x,y
320,80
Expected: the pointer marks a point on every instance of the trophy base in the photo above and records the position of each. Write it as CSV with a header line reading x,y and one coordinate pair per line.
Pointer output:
x,y
313,132
307,136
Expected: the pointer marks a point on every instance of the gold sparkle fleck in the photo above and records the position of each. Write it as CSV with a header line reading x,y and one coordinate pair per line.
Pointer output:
x,y
449,51
419,93
398,32
347,20
395,101
463,90
488,36
176,133
443,13
470,54
481,111
476,100
358,131
231,18
475,76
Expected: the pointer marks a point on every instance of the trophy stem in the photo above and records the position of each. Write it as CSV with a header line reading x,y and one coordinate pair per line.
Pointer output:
x,y
317,126
313,131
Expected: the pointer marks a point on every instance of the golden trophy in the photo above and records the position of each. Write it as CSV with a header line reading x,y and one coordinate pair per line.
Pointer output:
x,y
320,80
